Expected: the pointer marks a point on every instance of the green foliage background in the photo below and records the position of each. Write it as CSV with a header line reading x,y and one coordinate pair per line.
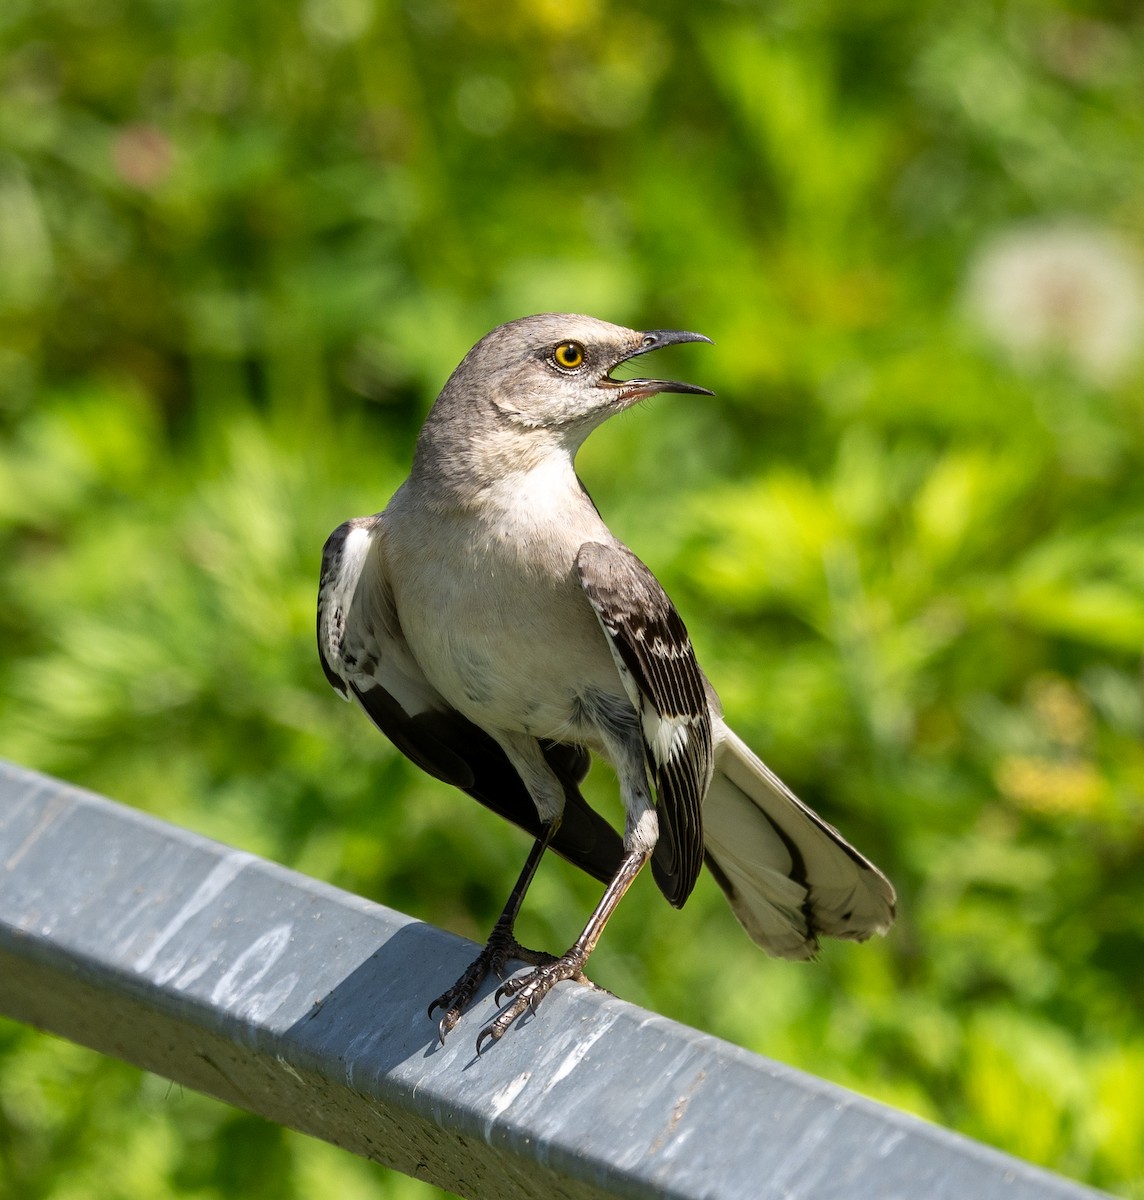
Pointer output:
x,y
242,245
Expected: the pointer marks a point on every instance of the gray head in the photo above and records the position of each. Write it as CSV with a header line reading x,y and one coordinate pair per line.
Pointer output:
x,y
531,389
553,371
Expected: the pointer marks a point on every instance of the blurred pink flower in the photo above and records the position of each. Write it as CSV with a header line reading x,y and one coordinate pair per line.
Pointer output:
x,y
143,156
1057,291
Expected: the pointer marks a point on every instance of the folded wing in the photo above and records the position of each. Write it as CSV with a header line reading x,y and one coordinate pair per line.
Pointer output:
x,y
656,662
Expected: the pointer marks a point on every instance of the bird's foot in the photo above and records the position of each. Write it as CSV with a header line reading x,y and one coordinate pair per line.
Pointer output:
x,y
500,949
526,991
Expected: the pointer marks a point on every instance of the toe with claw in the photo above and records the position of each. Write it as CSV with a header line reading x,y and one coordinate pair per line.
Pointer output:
x,y
525,992
502,947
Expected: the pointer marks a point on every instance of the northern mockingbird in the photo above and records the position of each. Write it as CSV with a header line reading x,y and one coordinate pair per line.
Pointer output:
x,y
495,629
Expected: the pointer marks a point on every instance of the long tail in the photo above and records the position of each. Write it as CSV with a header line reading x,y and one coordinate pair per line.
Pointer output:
x,y
789,876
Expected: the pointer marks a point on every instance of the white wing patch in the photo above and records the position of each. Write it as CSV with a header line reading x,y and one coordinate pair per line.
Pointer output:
x,y
667,736
336,595
358,637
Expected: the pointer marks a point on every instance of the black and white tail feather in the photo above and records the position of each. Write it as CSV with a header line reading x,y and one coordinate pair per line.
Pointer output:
x,y
789,876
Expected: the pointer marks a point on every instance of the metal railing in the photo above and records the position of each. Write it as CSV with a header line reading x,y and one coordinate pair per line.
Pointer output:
x,y
305,1004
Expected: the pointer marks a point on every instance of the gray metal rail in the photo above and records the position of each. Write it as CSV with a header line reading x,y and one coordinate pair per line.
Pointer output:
x,y
305,1004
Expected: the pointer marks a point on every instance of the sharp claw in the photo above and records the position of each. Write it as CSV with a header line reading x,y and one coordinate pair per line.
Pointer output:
x,y
511,986
448,1021
495,957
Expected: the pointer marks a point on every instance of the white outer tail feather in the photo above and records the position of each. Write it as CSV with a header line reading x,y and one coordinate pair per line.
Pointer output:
x,y
788,875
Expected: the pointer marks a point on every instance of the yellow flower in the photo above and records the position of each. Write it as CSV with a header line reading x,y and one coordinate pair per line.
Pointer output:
x,y
1050,786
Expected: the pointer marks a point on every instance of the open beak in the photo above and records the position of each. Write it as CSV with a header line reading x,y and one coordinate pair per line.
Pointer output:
x,y
655,339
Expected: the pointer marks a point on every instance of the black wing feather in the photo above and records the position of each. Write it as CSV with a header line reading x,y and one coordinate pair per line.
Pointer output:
x,y
651,643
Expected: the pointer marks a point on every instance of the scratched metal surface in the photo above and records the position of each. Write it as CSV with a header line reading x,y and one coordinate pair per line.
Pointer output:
x,y
305,1004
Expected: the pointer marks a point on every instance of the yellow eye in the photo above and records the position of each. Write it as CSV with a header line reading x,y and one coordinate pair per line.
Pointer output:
x,y
569,355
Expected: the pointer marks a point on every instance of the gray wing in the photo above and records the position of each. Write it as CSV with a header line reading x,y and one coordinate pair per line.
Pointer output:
x,y
366,658
653,655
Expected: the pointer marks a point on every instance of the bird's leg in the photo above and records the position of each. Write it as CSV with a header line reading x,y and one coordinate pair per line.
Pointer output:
x,y
527,991
501,946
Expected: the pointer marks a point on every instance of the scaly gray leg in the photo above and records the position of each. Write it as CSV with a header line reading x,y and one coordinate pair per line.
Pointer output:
x,y
500,948
526,992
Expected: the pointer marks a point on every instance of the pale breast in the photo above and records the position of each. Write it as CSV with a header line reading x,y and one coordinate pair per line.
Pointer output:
x,y
495,615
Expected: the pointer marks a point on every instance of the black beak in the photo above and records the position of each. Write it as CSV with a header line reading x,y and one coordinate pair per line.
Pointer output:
x,y
657,339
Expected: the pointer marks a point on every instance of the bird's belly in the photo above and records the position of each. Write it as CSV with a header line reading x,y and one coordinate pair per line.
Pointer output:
x,y
522,666
528,698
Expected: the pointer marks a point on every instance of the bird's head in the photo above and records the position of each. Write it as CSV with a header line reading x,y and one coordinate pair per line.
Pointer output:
x,y
554,371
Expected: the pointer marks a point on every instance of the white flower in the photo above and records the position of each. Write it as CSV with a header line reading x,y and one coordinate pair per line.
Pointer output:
x,y
1057,291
